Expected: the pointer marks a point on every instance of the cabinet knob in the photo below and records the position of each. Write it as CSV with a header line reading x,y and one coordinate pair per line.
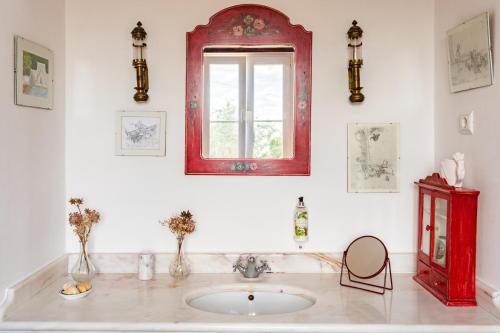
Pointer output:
x,y
427,228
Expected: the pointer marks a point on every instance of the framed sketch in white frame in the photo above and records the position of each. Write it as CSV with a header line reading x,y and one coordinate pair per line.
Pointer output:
x,y
373,157
33,74
140,133
469,54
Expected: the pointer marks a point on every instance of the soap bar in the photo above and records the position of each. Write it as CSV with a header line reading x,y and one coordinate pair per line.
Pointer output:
x,y
72,289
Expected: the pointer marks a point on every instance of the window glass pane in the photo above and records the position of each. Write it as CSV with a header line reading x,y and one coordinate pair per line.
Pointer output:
x,y
268,139
426,223
223,140
224,90
268,92
440,221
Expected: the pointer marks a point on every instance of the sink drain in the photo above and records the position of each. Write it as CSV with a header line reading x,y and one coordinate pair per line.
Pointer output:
x,y
251,297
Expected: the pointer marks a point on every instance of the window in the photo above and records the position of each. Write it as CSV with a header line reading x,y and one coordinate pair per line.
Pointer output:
x,y
248,105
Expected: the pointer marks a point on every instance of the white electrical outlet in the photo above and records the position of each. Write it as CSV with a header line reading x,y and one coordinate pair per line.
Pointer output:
x,y
466,123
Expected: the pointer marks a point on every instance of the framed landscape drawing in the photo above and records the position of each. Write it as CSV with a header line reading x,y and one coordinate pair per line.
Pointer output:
x,y
140,133
469,54
373,157
34,74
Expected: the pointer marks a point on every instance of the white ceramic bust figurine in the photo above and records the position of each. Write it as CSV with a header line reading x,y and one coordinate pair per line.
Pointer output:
x,y
453,170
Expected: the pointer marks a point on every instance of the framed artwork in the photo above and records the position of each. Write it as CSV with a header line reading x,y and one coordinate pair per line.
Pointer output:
x,y
373,157
469,54
140,133
34,74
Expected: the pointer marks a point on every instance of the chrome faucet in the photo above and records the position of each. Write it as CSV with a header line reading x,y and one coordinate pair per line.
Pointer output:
x,y
251,270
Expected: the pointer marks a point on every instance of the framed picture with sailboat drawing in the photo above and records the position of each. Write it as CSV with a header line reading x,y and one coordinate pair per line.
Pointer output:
x,y
140,133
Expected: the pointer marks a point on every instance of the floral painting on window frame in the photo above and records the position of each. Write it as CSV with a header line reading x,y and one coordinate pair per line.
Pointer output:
x,y
373,157
33,73
469,54
140,133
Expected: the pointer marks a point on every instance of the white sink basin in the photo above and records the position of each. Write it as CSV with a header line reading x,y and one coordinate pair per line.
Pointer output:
x,y
250,300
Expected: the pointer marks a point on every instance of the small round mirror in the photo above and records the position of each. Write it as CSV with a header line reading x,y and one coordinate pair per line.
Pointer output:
x,y
366,257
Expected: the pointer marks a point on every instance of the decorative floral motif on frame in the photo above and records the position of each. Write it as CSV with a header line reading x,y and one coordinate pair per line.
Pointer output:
x,y
250,25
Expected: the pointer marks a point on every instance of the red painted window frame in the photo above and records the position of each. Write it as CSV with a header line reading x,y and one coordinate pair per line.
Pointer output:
x,y
275,29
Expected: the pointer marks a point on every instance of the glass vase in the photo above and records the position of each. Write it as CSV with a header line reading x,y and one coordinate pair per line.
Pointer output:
x,y
179,267
83,271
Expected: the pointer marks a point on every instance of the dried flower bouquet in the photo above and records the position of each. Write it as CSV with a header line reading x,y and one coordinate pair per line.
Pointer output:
x,y
82,221
180,225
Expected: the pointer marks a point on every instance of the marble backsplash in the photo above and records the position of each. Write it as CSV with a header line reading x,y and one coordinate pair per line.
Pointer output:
x,y
223,262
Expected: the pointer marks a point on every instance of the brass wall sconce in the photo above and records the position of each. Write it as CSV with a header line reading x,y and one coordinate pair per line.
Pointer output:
x,y
355,63
139,63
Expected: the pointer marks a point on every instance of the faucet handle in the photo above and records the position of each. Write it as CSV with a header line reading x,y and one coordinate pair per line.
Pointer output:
x,y
237,264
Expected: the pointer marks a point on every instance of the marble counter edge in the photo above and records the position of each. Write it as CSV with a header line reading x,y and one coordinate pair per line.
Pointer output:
x,y
241,327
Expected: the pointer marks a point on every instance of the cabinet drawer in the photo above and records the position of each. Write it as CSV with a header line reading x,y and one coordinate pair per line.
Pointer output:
x,y
423,272
439,283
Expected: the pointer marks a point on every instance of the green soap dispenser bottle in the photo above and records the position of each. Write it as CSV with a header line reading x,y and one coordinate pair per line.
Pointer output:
x,y
301,222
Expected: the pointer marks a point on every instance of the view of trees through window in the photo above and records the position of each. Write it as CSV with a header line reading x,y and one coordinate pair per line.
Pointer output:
x,y
224,132
268,141
255,130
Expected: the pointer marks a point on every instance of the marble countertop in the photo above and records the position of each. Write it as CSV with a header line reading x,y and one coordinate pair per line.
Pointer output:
x,y
120,302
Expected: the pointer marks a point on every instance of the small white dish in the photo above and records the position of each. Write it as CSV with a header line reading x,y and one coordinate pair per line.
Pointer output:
x,y
74,297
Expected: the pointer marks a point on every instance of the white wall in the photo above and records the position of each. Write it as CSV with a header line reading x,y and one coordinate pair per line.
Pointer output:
x,y
481,149
245,213
32,148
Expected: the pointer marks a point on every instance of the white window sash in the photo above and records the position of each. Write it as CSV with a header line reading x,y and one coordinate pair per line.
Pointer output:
x,y
285,59
206,121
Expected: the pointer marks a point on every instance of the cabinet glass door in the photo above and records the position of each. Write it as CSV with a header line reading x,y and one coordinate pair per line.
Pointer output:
x,y
440,220
426,224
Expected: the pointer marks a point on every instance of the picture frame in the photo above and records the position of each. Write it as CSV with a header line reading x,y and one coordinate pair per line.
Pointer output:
x,y
33,74
373,157
469,54
140,133
228,29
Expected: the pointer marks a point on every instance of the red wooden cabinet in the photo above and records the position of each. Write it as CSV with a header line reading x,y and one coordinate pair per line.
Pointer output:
x,y
446,259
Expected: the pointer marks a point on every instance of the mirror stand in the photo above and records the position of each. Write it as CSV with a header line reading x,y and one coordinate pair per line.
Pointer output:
x,y
357,254
382,288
